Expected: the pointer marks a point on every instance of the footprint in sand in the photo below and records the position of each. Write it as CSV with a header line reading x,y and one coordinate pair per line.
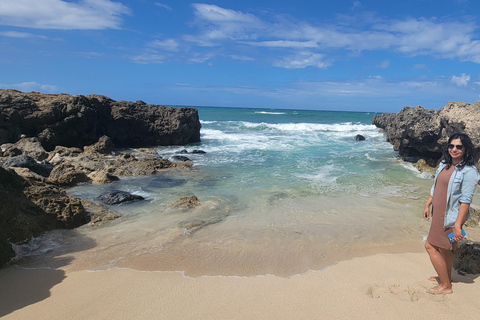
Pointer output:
x,y
412,292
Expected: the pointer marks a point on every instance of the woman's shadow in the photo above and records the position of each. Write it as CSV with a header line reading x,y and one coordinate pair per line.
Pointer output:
x,y
21,285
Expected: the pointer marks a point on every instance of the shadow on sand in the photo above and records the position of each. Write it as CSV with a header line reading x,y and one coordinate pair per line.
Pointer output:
x,y
26,282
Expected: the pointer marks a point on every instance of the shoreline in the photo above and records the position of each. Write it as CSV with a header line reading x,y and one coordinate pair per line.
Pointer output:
x,y
377,286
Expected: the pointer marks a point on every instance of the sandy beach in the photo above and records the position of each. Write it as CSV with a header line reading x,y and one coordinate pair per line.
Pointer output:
x,y
382,286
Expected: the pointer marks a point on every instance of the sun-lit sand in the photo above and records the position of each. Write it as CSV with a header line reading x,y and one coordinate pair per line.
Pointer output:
x,y
382,286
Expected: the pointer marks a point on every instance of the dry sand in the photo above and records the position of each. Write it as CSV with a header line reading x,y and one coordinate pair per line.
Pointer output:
x,y
383,286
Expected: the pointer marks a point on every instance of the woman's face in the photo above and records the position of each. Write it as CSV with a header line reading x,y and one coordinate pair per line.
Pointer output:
x,y
456,150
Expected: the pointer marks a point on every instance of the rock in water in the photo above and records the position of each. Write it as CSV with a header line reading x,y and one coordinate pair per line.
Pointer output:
x,y
359,137
117,196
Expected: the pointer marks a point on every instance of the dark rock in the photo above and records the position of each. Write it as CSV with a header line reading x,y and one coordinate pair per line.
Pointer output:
x,y
6,250
103,146
181,158
184,151
467,257
359,137
418,133
23,161
117,196
28,208
198,152
77,121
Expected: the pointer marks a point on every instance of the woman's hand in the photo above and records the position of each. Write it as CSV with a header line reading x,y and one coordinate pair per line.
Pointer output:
x,y
457,233
426,213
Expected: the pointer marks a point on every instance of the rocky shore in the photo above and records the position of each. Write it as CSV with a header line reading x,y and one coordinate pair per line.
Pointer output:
x,y
420,136
51,142
419,133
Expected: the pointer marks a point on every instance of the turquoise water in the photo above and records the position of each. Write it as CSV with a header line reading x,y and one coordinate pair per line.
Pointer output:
x,y
282,192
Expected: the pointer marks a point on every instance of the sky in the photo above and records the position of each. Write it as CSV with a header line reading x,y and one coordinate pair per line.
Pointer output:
x,y
345,55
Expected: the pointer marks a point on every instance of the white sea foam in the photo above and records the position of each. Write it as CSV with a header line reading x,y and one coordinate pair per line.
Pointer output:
x,y
269,112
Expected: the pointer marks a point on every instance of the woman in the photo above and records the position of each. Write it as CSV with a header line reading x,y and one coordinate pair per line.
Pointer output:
x,y
451,195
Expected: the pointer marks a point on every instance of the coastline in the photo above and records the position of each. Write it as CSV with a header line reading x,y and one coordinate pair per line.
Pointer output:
x,y
379,286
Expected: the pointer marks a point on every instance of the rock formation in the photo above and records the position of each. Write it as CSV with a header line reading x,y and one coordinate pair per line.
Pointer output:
x,y
77,121
418,133
83,133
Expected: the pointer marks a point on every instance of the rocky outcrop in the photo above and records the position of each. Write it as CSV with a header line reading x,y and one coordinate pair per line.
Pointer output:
x,y
77,121
418,133
29,207
467,257
83,133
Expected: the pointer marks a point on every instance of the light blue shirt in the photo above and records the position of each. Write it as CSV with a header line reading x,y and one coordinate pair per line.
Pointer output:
x,y
460,189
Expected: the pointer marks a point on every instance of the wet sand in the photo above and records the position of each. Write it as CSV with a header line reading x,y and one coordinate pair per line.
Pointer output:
x,y
381,286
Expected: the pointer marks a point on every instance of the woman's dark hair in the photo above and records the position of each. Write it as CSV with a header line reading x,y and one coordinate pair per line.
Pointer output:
x,y
468,157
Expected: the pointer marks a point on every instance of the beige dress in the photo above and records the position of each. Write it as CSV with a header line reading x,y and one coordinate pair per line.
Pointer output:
x,y
438,235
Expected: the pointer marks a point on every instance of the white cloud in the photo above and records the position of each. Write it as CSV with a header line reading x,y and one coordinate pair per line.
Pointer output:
x,y
410,36
148,58
169,44
462,80
23,35
384,64
31,86
356,4
284,44
58,14
303,60
419,66
217,14
163,5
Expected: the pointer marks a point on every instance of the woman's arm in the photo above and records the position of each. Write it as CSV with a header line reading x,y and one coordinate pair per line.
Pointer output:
x,y
457,228
426,211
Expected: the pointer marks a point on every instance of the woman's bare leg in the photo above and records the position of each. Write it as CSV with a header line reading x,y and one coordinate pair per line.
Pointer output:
x,y
442,262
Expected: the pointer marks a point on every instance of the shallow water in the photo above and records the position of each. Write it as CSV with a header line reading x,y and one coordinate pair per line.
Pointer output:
x,y
282,192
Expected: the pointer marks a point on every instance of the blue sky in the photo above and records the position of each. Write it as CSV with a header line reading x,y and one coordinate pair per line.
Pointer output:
x,y
325,55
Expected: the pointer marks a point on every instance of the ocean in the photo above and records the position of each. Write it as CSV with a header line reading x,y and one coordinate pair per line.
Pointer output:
x,y
282,192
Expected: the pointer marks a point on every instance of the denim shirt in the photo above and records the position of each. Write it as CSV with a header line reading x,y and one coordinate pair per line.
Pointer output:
x,y
460,189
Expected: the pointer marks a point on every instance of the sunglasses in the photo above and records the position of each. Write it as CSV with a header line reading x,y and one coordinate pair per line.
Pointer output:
x,y
458,146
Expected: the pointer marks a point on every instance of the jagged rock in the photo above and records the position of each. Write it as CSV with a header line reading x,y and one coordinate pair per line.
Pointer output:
x,y
23,161
129,165
9,150
65,152
198,151
117,196
467,257
186,203
66,210
97,214
102,177
103,146
67,174
359,137
27,146
422,166
419,133
146,150
181,158
77,121
29,175
28,208
474,220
